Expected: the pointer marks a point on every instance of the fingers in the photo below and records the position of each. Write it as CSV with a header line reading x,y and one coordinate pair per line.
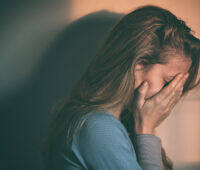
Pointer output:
x,y
173,102
165,92
142,90
174,97
182,82
179,87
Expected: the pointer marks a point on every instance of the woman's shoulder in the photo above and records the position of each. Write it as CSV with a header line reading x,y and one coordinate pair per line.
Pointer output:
x,y
102,137
101,118
101,126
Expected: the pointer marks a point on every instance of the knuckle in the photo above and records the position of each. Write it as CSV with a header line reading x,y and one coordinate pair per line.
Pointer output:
x,y
167,110
165,114
179,91
173,93
178,94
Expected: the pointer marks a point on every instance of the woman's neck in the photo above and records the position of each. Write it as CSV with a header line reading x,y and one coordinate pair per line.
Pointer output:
x,y
116,111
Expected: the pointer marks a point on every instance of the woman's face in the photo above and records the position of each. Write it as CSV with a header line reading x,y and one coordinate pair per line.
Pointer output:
x,y
158,75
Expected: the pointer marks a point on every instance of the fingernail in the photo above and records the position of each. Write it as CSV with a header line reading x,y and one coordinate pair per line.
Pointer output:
x,y
180,76
186,75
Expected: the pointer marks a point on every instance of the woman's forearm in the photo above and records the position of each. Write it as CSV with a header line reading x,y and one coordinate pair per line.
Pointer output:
x,y
149,151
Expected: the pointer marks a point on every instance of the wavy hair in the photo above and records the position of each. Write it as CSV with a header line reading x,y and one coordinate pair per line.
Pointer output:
x,y
145,35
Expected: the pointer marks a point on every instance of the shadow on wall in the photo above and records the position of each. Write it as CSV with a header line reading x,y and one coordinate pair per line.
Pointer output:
x,y
25,114
26,28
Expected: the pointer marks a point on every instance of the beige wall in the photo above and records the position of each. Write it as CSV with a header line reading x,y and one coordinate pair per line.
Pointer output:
x,y
188,10
180,133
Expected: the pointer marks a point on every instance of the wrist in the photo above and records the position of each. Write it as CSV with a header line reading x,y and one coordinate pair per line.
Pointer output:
x,y
144,130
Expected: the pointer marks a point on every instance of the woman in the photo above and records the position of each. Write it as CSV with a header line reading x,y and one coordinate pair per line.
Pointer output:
x,y
149,60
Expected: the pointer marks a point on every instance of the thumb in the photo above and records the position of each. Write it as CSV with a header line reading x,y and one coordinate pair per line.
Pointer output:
x,y
142,91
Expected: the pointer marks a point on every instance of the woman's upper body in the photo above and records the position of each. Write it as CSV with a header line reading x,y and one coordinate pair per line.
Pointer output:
x,y
103,143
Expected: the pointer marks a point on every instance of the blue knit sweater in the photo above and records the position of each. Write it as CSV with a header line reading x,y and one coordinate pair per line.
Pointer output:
x,y
104,144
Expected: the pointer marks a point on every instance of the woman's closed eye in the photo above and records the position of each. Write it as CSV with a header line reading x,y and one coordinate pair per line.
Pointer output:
x,y
166,82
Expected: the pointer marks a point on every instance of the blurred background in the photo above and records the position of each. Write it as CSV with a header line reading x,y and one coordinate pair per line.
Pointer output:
x,y
44,48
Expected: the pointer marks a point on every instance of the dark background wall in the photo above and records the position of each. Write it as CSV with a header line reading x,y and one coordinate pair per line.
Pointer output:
x,y
41,57
26,29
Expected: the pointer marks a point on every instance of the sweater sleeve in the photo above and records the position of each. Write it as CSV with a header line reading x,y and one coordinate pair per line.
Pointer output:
x,y
104,143
149,151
